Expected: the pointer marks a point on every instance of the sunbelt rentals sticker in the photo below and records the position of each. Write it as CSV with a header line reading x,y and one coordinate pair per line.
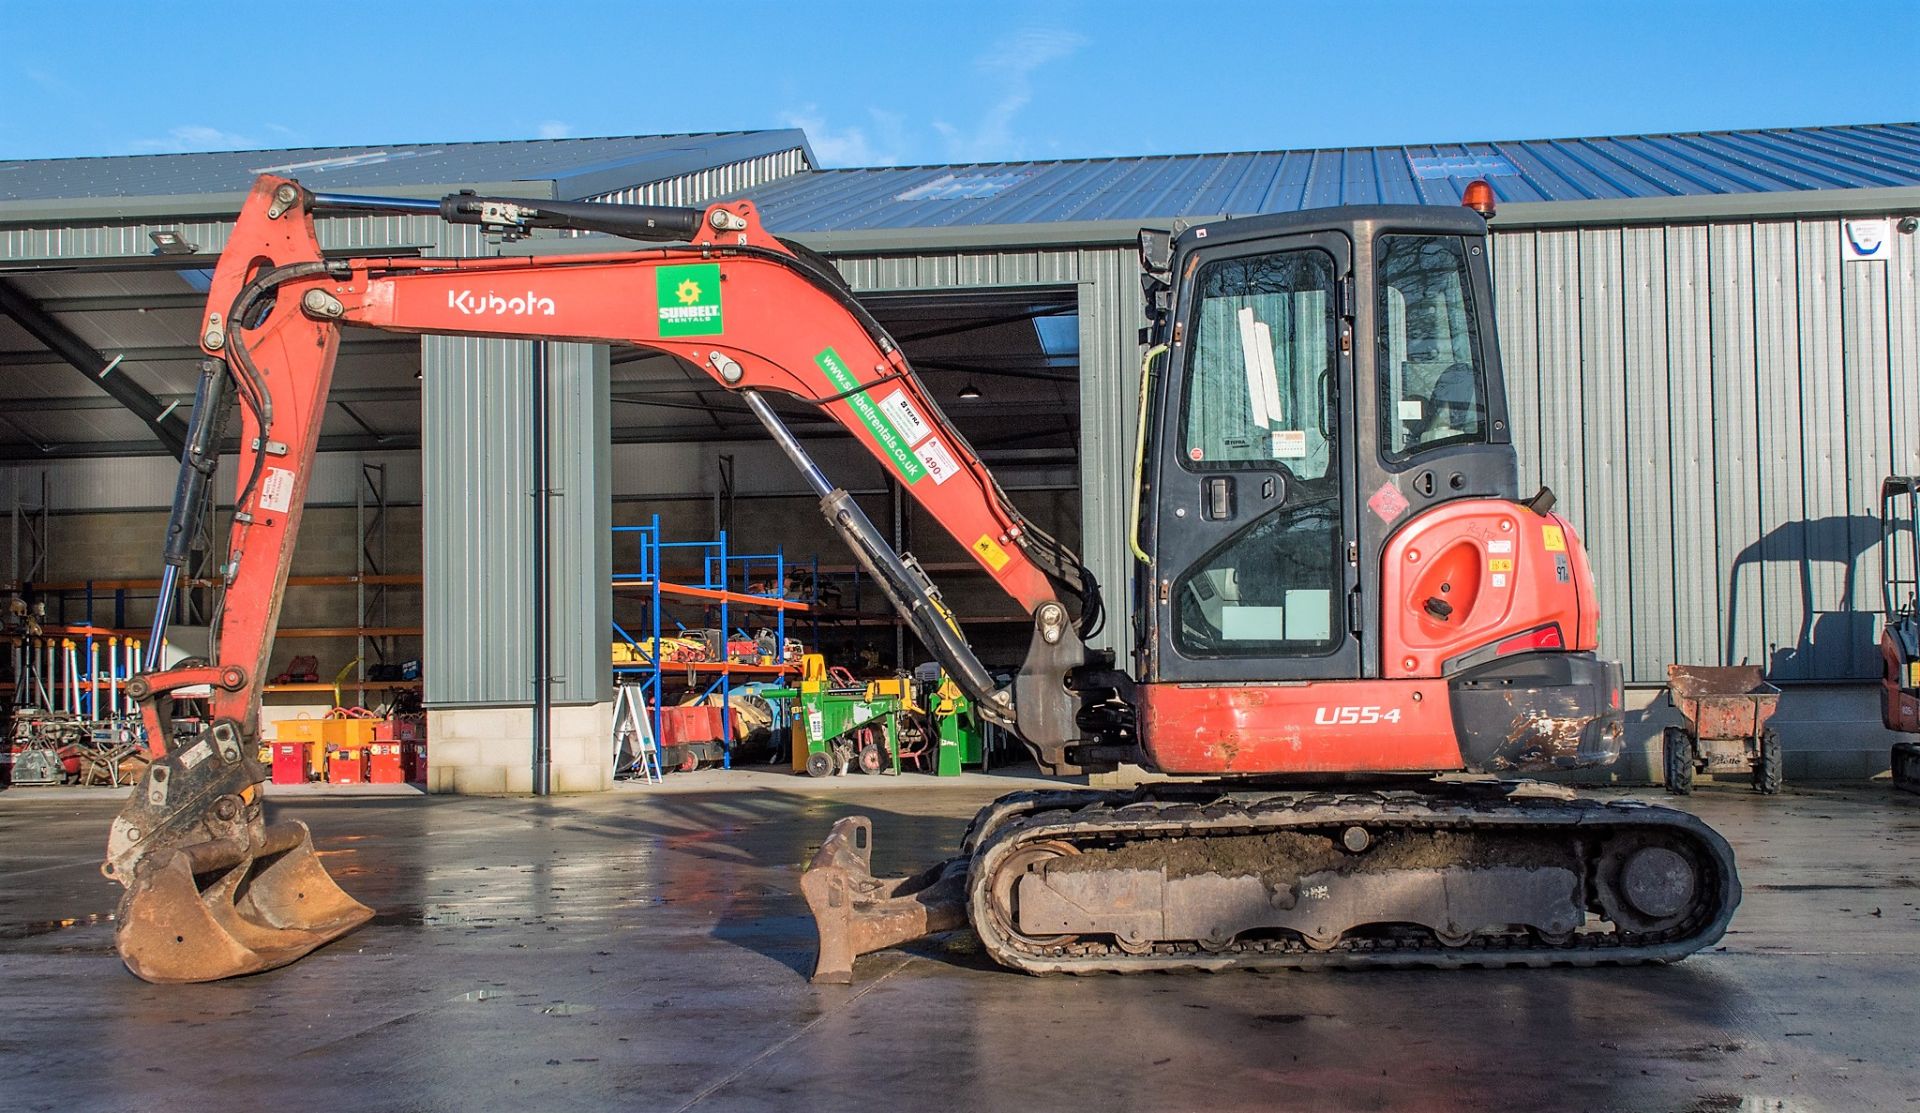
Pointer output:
x,y
689,298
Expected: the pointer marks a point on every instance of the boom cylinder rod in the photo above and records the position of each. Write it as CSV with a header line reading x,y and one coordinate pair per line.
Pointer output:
x,y
361,203
788,443
663,223
906,591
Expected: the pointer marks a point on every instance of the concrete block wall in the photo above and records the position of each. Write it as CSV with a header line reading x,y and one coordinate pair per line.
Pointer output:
x,y
488,751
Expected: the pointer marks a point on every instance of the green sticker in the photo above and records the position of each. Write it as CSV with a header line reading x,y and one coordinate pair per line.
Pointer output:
x,y
689,299
895,446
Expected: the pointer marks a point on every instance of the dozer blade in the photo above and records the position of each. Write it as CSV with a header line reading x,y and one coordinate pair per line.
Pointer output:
x,y
856,913
221,909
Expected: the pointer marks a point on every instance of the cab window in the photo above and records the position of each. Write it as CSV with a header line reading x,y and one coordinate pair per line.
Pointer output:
x,y
1261,353
1432,388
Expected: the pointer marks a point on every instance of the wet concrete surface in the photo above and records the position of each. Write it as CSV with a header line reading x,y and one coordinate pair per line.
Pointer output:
x,y
647,949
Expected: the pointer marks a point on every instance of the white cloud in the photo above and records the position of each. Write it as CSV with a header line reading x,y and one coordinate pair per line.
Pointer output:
x,y
555,129
851,145
1008,67
195,137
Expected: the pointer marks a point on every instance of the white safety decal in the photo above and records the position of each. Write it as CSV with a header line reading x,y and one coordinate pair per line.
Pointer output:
x,y
905,417
276,490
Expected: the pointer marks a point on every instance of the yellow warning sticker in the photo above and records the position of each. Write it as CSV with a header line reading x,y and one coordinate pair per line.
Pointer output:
x,y
1500,564
995,556
1554,538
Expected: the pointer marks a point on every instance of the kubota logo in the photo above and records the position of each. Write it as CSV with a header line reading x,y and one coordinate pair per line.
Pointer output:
x,y
490,303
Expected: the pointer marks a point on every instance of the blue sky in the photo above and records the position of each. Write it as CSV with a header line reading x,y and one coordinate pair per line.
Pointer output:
x,y
909,82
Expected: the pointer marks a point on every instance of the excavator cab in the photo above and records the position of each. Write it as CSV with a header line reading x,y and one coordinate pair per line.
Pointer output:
x,y
1330,498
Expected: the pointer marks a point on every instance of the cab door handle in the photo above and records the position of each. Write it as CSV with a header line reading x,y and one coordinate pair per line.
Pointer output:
x,y
1219,507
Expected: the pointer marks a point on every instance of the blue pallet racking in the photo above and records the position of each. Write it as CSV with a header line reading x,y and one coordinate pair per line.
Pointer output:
x,y
721,570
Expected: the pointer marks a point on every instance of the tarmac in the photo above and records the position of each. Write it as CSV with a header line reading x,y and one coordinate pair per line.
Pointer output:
x,y
647,949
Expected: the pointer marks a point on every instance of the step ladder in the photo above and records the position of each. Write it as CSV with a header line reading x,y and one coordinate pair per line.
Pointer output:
x,y
636,752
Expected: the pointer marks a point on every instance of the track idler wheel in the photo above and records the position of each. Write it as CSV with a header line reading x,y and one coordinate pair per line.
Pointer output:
x,y
856,913
220,909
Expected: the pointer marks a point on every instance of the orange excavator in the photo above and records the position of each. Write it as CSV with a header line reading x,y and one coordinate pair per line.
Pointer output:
x,y
1349,622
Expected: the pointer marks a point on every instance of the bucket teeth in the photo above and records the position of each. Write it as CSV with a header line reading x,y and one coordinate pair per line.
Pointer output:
x,y
264,910
856,913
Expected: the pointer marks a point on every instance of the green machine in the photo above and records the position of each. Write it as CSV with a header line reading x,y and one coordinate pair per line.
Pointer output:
x,y
873,727
961,737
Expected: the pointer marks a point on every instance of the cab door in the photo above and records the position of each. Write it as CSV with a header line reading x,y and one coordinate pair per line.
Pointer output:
x,y
1253,576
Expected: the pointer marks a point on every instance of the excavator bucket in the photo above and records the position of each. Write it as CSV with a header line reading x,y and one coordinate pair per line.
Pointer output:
x,y
213,889
856,913
221,909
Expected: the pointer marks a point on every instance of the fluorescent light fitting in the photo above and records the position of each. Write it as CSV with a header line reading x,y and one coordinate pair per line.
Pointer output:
x,y
168,241
969,392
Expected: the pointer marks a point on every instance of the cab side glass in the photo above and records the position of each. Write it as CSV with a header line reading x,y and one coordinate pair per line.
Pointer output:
x,y
1432,384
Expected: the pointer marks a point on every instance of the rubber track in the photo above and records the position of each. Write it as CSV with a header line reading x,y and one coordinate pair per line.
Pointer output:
x,y
1020,818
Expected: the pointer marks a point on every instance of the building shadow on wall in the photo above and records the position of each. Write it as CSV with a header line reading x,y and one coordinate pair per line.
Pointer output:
x,y
1829,645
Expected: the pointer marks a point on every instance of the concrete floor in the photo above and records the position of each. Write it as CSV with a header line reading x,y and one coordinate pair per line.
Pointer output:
x,y
647,949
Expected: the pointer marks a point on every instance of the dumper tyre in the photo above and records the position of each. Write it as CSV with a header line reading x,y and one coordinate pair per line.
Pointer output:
x,y
1768,773
1677,756
819,764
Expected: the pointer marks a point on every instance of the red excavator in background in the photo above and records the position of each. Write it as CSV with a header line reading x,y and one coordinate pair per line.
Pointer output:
x,y
1339,595
1900,622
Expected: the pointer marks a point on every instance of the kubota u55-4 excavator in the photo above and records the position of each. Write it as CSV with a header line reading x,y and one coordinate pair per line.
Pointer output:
x,y
1339,595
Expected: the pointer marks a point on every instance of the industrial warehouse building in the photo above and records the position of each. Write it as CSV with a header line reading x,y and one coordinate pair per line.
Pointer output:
x,y
1711,341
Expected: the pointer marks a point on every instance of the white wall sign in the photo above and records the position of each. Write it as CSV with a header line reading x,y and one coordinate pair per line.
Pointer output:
x,y
1865,240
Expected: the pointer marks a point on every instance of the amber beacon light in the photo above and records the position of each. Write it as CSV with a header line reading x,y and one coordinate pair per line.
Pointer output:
x,y
1478,196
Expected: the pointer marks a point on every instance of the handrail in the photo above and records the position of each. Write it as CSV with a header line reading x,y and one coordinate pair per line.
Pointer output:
x,y
1140,451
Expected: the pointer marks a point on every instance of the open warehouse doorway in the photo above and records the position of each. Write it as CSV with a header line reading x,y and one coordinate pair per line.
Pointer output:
x,y
102,363
1004,366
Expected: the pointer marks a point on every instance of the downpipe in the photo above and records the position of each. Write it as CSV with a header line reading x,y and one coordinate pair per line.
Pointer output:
x,y
542,576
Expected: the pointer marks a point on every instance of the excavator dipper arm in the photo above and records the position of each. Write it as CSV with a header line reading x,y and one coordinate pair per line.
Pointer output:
x,y
213,890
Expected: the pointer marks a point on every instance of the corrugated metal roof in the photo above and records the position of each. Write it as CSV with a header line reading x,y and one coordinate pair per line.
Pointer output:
x,y
1594,169
578,167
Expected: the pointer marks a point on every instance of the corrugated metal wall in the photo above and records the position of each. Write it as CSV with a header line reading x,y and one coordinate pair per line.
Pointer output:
x,y
122,241
477,482
1715,405
479,544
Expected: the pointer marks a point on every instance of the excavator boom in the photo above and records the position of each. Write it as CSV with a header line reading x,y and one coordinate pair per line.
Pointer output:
x,y
200,863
